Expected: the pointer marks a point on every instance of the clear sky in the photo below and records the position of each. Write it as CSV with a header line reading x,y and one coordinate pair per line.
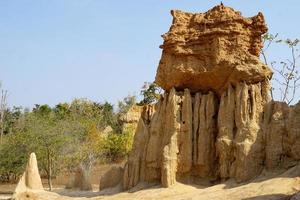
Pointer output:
x,y
57,50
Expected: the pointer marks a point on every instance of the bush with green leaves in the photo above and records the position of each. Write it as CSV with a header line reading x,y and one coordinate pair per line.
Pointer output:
x,y
117,146
63,138
150,92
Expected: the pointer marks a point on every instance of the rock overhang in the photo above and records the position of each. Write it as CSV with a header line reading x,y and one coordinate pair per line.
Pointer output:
x,y
212,50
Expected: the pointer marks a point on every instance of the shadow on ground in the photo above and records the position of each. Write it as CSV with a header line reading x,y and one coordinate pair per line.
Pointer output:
x,y
86,194
270,197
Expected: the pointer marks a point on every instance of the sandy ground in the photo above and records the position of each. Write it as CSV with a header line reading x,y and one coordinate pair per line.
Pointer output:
x,y
268,186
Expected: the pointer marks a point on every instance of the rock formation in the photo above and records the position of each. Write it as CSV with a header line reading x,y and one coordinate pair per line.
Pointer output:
x,y
111,178
209,51
129,120
30,179
282,136
216,120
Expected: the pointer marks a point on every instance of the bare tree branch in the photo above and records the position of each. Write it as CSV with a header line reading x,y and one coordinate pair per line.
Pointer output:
x,y
286,73
3,106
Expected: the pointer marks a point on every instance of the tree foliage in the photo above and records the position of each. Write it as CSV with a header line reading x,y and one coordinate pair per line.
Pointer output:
x,y
150,92
117,146
63,137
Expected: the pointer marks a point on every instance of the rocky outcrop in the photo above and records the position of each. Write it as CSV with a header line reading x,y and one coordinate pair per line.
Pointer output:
x,y
282,135
275,131
112,178
200,136
216,120
291,142
30,179
130,119
135,165
210,51
132,115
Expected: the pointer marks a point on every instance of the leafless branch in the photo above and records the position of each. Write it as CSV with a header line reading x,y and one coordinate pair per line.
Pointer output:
x,y
3,106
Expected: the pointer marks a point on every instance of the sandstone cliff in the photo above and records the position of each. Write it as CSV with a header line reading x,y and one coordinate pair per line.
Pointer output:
x,y
189,137
216,120
209,51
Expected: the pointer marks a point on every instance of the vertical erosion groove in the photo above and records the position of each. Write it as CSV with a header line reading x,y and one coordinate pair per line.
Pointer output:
x,y
224,146
170,146
201,136
185,134
197,101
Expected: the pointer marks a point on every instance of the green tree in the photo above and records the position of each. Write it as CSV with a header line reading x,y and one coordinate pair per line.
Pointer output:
x,y
62,110
108,115
63,137
47,139
117,146
42,110
151,93
11,117
13,156
90,149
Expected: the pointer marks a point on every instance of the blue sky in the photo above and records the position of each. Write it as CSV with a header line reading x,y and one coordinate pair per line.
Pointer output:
x,y
57,50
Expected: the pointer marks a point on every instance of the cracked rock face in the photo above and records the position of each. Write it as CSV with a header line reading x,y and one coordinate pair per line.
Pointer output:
x,y
210,51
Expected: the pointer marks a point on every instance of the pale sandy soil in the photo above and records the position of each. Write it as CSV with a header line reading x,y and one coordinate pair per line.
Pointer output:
x,y
266,187
61,180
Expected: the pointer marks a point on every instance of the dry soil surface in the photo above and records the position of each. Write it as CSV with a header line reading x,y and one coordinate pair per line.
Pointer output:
x,y
266,187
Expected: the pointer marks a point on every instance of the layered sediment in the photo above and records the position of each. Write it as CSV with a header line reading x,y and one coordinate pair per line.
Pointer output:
x,y
215,120
212,50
